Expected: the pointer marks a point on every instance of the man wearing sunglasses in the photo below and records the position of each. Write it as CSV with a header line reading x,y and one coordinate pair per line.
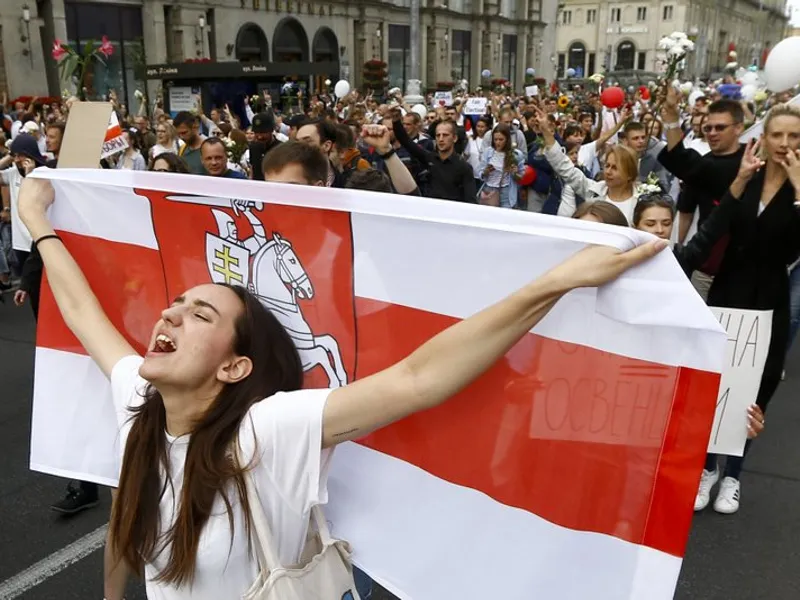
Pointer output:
x,y
722,128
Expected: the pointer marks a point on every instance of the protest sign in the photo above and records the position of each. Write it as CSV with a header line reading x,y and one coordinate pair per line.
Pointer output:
x,y
442,99
475,106
532,90
749,333
89,128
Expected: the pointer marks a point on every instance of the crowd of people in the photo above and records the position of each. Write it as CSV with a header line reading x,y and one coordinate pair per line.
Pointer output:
x,y
648,164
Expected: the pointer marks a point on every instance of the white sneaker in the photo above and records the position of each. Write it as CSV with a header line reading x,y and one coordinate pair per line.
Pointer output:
x,y
707,482
727,501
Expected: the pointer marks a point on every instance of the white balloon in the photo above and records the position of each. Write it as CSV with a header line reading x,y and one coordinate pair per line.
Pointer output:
x,y
342,88
749,92
686,88
782,70
750,78
420,110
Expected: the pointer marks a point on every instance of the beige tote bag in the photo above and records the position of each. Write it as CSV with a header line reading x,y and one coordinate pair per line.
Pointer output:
x,y
323,573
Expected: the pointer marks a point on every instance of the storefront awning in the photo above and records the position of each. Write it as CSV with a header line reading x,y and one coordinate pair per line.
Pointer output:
x,y
232,69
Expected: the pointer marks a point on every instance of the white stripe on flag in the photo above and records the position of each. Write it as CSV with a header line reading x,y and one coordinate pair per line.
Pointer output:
x,y
63,440
108,212
458,271
518,555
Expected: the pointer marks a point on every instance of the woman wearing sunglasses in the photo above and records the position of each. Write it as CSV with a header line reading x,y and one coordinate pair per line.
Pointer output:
x,y
167,162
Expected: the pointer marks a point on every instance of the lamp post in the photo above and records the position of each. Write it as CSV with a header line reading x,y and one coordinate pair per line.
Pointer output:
x,y
26,18
413,95
201,21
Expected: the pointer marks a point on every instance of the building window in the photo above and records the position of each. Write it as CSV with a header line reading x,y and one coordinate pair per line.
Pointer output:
x,y
591,16
508,9
566,17
590,70
509,57
576,58
642,58
399,55
641,13
562,65
667,13
460,55
616,15
124,70
626,53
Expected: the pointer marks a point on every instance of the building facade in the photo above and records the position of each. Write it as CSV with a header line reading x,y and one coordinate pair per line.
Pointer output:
x,y
156,40
597,36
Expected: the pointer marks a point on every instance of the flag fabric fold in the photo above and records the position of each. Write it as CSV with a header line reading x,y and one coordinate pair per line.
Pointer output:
x,y
567,471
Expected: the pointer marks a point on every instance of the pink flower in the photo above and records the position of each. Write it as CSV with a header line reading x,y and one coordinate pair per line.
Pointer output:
x,y
106,47
58,49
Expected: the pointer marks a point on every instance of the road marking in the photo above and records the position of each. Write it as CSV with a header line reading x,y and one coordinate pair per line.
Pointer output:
x,y
55,563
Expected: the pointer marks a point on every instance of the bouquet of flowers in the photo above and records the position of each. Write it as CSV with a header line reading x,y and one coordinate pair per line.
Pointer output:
x,y
650,186
234,150
676,46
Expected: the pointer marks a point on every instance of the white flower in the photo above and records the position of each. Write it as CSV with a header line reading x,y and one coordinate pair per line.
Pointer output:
x,y
678,36
731,66
732,54
138,95
688,45
666,43
675,52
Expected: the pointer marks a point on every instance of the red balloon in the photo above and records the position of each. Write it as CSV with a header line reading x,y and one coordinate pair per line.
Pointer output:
x,y
528,176
612,97
644,92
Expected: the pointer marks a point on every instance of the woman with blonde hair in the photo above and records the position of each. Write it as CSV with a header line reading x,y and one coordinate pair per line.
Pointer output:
x,y
620,172
166,140
763,240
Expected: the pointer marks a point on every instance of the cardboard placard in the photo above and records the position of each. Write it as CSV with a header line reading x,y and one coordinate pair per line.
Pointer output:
x,y
87,128
749,333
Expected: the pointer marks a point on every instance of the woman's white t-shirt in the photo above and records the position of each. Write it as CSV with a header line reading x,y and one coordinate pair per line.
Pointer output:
x,y
291,472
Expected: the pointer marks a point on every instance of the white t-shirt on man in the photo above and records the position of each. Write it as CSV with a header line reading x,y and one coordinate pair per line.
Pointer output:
x,y
291,472
20,236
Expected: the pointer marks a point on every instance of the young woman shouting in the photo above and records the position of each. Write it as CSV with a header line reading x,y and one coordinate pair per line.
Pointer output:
x,y
220,371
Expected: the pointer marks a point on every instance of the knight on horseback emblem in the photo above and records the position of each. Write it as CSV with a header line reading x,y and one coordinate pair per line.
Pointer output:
x,y
273,272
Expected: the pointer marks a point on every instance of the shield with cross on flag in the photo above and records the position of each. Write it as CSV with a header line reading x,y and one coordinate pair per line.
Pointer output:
x,y
228,262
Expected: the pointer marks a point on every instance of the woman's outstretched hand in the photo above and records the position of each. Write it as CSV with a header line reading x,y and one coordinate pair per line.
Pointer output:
x,y
35,197
597,265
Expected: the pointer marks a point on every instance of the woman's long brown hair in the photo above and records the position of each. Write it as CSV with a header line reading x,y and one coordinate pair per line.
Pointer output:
x,y
210,467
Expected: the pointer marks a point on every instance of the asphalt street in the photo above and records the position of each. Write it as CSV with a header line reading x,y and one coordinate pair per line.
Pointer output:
x,y
748,556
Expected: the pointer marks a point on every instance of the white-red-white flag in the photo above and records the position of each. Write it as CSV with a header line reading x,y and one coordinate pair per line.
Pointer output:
x,y
569,470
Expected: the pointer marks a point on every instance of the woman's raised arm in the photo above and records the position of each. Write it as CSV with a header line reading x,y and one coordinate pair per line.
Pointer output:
x,y
76,301
453,359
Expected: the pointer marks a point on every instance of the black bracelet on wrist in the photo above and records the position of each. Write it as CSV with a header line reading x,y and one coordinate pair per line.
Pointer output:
x,y
389,154
51,236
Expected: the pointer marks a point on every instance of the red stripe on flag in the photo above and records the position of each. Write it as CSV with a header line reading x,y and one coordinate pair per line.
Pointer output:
x,y
127,280
583,438
556,429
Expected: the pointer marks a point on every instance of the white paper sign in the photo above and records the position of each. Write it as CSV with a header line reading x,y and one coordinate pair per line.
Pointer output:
x,y
115,141
532,90
749,333
442,99
182,98
475,106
